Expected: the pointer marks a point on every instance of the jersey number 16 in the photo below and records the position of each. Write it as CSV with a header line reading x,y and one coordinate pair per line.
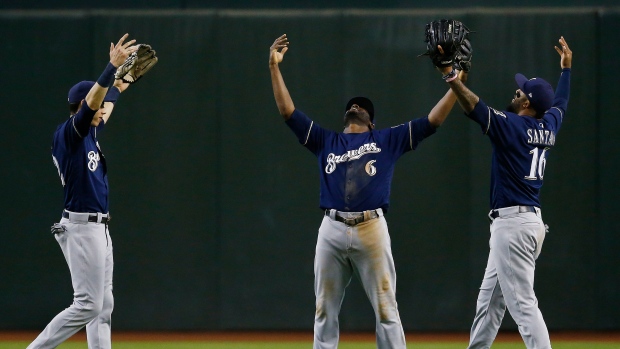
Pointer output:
x,y
538,163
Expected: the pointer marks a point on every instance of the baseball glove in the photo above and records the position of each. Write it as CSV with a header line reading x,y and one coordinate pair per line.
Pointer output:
x,y
450,34
462,59
137,64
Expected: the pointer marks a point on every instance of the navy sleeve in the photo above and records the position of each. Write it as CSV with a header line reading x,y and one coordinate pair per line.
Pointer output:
x,y
398,138
562,92
81,121
556,114
494,123
482,115
420,129
112,95
309,134
407,136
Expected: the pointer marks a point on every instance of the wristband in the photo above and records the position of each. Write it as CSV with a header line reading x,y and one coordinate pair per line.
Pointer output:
x,y
107,77
456,75
451,76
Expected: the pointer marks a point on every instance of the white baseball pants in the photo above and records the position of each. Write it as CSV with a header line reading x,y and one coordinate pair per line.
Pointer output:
x,y
363,249
87,248
516,241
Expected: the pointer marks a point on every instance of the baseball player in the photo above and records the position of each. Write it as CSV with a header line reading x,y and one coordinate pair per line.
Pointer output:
x,y
83,233
355,168
522,137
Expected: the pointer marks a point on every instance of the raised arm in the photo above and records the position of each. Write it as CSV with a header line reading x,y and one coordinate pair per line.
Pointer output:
x,y
111,97
280,92
440,111
466,98
118,55
95,97
562,91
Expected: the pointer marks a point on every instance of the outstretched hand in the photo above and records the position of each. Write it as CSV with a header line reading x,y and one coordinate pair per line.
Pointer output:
x,y
565,53
278,49
120,51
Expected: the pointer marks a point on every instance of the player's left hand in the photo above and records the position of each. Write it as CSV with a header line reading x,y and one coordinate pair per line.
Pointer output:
x,y
137,64
276,56
566,55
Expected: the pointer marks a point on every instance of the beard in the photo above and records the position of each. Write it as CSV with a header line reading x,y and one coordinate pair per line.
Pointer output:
x,y
513,107
353,116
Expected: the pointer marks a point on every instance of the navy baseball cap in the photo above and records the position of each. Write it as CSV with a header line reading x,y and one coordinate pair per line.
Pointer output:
x,y
364,103
538,91
79,91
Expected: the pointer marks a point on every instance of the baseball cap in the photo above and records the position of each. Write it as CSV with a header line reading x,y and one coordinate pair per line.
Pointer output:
x,y
539,92
364,103
79,91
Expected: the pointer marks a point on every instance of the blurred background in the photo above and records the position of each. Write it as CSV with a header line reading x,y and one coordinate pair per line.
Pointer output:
x,y
215,203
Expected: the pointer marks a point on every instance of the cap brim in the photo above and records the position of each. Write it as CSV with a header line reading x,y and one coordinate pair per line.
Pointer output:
x,y
521,80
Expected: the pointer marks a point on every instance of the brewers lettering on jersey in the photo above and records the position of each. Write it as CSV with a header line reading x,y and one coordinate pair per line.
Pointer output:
x,y
333,160
522,138
355,169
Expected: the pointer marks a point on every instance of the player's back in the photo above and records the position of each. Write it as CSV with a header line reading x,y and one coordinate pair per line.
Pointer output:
x,y
521,148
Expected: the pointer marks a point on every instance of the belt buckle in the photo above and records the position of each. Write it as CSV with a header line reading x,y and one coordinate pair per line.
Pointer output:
x,y
350,221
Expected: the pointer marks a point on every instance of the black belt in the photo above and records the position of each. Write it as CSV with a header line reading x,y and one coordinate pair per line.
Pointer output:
x,y
91,218
372,214
522,209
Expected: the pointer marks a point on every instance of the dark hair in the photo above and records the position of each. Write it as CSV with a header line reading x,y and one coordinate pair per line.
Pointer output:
x,y
74,107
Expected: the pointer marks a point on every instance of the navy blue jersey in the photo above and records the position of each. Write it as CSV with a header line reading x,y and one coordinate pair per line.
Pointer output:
x,y
521,147
356,169
80,163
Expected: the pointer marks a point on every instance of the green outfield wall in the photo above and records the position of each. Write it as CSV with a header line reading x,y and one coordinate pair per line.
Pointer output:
x,y
294,4
215,203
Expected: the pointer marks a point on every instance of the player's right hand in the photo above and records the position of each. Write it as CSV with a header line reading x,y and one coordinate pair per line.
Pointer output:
x,y
275,55
120,51
565,53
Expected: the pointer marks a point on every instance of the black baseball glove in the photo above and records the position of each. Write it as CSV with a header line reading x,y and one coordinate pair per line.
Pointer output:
x,y
452,36
462,59
137,64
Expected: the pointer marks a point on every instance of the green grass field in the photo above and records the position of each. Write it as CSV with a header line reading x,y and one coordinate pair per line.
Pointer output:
x,y
303,345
